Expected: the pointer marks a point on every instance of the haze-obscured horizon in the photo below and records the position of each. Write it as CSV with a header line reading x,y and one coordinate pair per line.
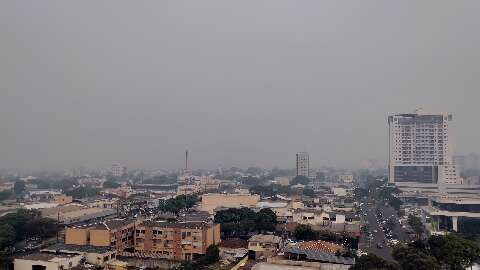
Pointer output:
x,y
245,83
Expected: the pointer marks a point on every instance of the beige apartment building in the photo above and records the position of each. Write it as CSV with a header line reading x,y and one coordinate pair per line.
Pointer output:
x,y
115,233
214,200
176,241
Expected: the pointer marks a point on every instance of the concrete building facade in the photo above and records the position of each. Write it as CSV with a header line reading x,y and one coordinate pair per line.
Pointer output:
x,y
420,149
176,241
118,170
303,164
115,233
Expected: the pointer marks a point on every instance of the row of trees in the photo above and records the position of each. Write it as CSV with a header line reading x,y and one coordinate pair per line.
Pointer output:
x,y
436,253
24,224
174,205
111,183
83,192
237,222
373,262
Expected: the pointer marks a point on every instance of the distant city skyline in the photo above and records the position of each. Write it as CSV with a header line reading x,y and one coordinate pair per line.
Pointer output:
x,y
235,83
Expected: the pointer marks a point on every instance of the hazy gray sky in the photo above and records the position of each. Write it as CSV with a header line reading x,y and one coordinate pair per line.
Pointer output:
x,y
91,83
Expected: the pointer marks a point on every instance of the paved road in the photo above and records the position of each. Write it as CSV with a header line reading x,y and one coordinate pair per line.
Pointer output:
x,y
379,236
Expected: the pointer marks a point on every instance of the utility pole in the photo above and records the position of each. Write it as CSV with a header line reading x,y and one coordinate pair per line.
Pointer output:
x,y
186,161
58,224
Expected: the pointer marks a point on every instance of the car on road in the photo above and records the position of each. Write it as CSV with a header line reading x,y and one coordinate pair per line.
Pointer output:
x,y
380,246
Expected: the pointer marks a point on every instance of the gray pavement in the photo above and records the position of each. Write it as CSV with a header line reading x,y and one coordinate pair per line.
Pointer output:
x,y
379,237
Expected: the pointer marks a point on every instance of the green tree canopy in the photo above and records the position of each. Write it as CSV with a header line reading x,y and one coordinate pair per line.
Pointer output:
x,y
110,183
373,262
238,222
416,224
306,233
266,220
162,179
22,224
7,235
212,255
414,259
83,192
454,251
19,187
5,195
174,205
300,179
65,184
309,192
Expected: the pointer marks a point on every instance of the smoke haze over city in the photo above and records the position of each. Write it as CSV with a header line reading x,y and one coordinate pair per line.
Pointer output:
x,y
246,83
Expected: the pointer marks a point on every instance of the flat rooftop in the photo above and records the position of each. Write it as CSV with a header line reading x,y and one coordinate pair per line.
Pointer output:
x,y
77,248
438,212
47,257
265,238
110,224
78,213
166,224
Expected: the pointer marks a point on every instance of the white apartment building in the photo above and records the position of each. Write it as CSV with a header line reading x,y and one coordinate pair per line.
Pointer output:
x,y
118,170
420,151
303,164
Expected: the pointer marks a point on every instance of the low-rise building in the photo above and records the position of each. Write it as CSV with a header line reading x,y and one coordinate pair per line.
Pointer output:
x,y
311,217
97,256
283,181
264,245
334,221
116,265
47,261
313,255
116,233
214,200
50,196
104,203
233,249
339,191
61,199
176,240
345,178
74,213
